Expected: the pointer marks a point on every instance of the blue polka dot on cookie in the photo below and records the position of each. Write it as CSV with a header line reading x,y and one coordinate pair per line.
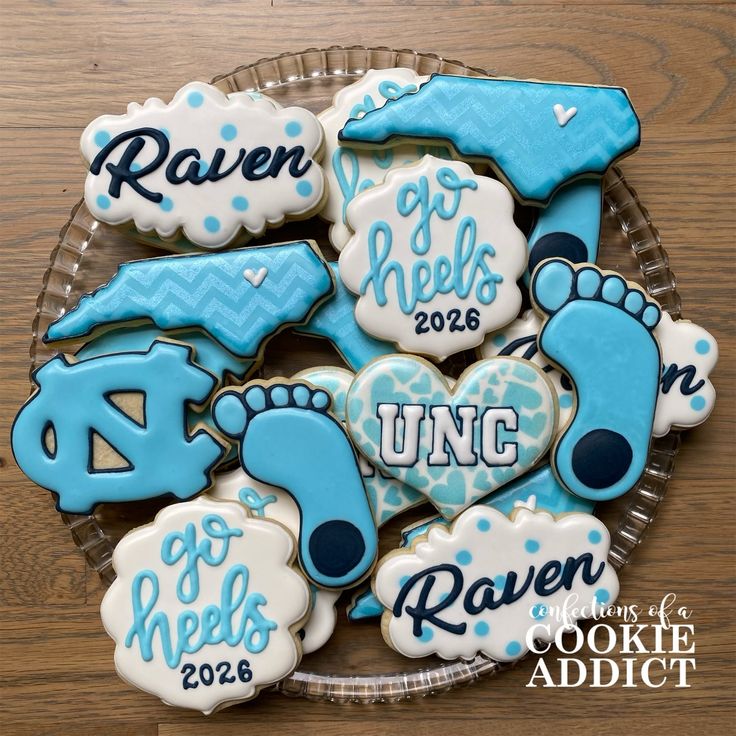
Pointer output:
x,y
483,525
565,401
166,204
702,347
464,557
403,581
602,595
293,129
102,138
165,131
203,168
531,545
103,202
481,628
697,403
228,132
304,188
513,648
240,204
499,340
195,99
427,634
538,611
135,166
211,224
594,536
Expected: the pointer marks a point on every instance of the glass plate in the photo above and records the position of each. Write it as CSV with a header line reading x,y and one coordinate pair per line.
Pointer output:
x,y
88,254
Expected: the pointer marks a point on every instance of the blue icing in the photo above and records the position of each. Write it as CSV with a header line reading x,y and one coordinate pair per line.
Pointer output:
x,y
549,494
569,227
608,352
293,128
160,456
512,123
304,188
208,291
249,626
364,605
228,132
286,438
335,321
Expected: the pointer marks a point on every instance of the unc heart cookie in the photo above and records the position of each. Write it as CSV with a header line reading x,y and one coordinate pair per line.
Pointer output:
x,y
492,584
206,164
349,170
453,445
206,605
434,258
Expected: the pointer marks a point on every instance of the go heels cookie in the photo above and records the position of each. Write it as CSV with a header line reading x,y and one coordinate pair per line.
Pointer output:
x,y
206,605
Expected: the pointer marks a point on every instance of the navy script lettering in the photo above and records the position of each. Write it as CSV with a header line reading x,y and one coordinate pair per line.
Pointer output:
x,y
482,594
184,165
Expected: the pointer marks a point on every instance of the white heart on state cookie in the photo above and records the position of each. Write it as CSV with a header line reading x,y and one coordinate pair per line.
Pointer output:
x,y
562,115
255,278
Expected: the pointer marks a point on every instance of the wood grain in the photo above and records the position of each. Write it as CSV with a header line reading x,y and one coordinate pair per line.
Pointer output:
x,y
61,64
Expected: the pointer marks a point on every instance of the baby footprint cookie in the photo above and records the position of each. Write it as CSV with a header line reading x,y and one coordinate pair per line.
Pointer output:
x,y
599,331
288,438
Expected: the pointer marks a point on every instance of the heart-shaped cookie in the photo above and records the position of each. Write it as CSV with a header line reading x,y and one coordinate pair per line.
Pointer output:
x,y
458,444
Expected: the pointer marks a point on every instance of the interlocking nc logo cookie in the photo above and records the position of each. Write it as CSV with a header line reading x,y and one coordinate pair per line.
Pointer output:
x,y
80,406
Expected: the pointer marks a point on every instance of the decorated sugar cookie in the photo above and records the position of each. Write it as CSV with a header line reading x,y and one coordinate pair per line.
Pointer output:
x,y
264,501
537,135
239,297
686,395
206,164
206,605
599,329
520,340
114,428
490,583
453,445
538,490
434,258
350,171
288,438
387,495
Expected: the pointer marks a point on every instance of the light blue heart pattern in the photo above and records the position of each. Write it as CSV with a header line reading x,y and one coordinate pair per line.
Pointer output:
x,y
402,379
387,496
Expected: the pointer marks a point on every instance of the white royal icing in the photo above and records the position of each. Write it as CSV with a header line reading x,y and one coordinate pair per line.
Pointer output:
x,y
435,258
686,395
564,116
349,170
206,605
206,133
264,501
453,593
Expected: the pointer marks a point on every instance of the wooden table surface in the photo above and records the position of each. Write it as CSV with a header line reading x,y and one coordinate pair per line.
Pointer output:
x,y
64,63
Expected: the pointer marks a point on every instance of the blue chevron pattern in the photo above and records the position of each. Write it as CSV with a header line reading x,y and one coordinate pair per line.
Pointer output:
x,y
335,320
208,291
513,124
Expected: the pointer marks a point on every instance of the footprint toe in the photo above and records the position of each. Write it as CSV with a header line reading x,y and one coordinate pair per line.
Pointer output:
x,y
327,539
280,396
588,282
652,315
230,415
255,398
320,399
301,395
552,285
613,290
634,302
562,245
601,458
